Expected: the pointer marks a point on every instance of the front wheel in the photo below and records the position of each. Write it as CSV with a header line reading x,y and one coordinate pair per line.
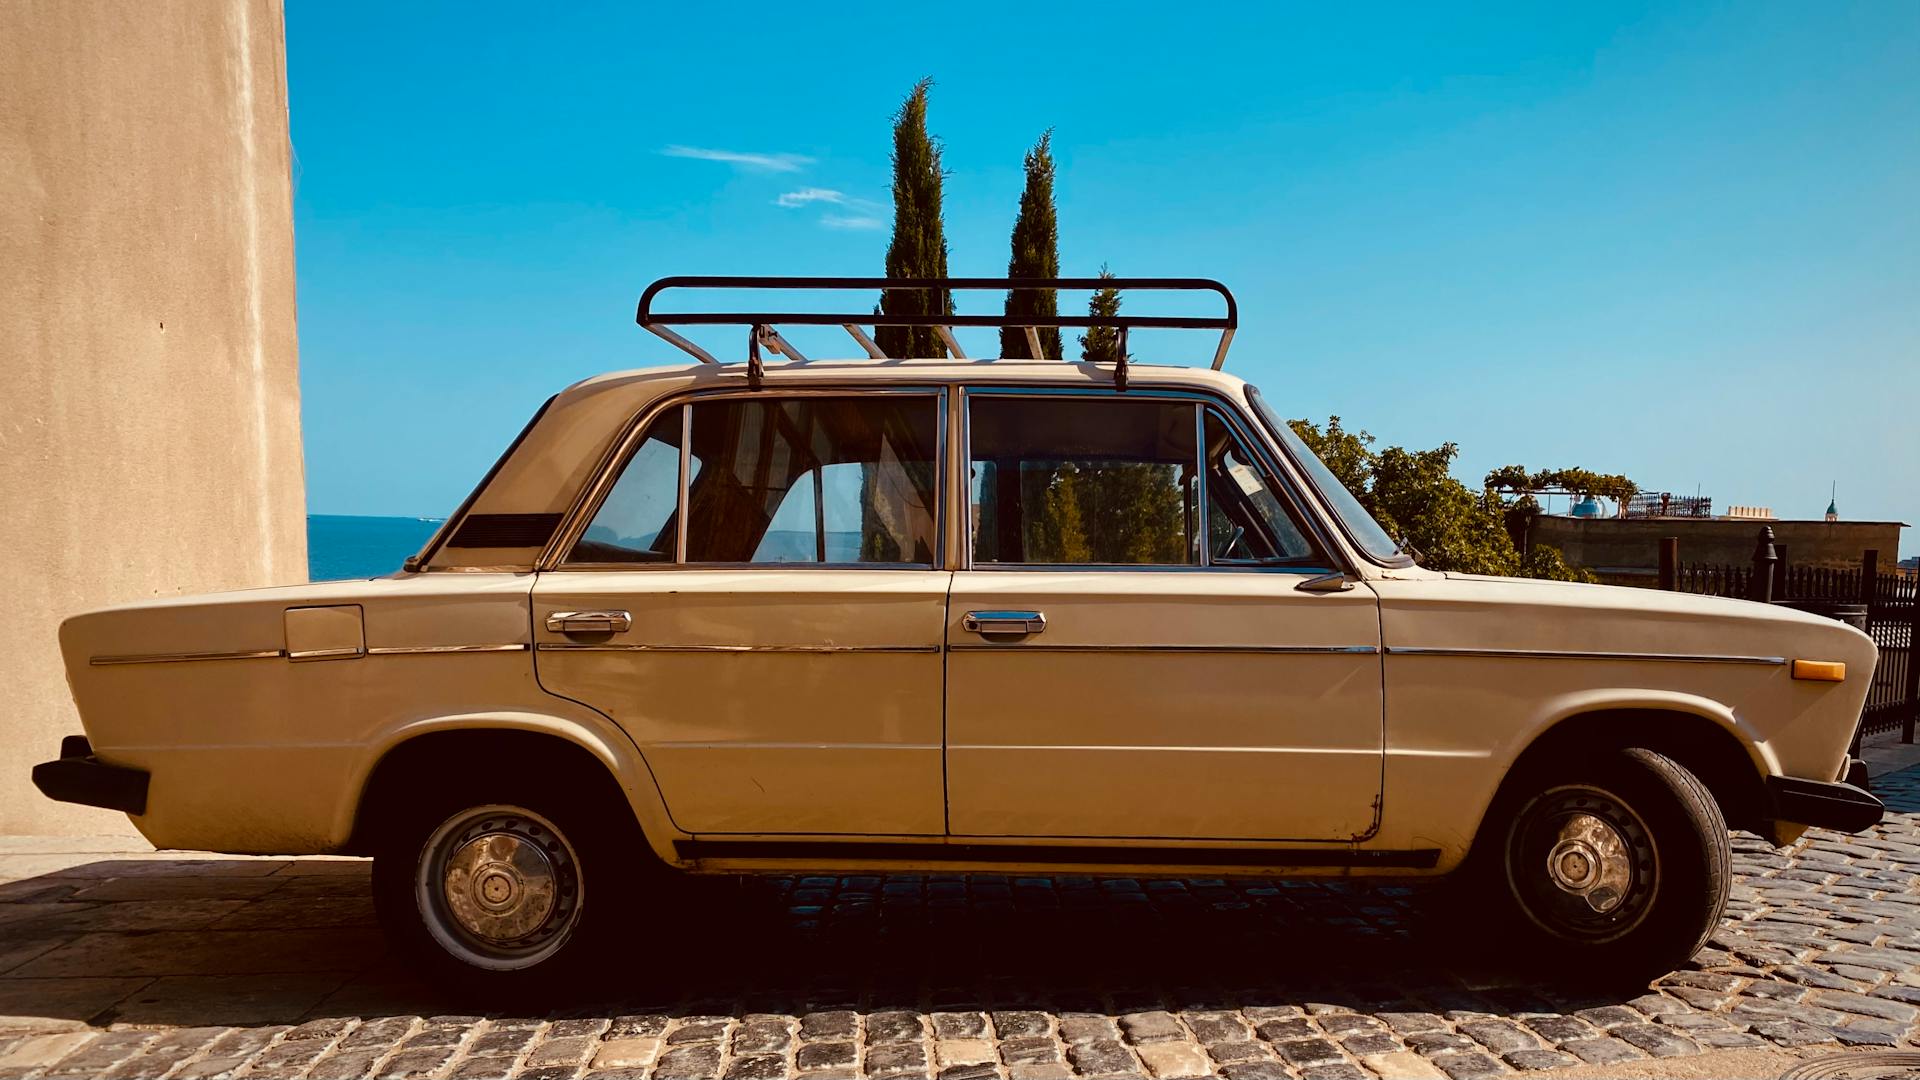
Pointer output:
x,y
1615,869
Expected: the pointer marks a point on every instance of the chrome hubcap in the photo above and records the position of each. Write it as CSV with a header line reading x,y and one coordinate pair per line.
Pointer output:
x,y
499,887
1591,861
1582,864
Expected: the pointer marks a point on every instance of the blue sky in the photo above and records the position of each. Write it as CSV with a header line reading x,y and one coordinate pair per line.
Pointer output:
x,y
1680,242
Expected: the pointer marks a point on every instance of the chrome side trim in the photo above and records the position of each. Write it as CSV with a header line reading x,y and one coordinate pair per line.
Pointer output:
x,y
426,650
185,657
1554,654
1297,650
568,646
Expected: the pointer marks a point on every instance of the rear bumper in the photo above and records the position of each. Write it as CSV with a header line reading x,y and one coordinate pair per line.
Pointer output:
x,y
1847,807
79,777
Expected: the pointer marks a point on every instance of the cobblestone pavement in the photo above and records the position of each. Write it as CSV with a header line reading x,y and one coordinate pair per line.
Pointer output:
x,y
116,966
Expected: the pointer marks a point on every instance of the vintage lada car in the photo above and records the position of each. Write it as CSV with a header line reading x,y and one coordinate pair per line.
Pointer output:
x,y
1012,616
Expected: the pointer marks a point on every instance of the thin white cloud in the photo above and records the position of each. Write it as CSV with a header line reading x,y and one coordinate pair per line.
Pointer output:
x,y
792,199
742,159
847,221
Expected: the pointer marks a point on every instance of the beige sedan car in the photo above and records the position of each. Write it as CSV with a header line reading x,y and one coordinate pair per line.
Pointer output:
x,y
948,615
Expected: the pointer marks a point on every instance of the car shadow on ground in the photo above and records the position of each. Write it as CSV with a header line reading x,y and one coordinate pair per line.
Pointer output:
x,y
154,940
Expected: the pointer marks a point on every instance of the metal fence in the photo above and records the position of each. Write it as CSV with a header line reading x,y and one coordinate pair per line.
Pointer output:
x,y
1889,603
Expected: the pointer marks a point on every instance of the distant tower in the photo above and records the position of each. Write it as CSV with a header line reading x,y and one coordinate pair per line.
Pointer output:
x,y
1833,503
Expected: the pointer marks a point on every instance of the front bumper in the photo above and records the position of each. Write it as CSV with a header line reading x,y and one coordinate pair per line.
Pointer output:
x,y
79,777
1845,806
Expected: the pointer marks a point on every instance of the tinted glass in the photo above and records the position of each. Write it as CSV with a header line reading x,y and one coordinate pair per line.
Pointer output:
x,y
636,523
1083,480
1246,521
814,480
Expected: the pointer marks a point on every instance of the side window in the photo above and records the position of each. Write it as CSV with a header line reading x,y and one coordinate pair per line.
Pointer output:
x,y
814,480
1246,522
1100,481
638,521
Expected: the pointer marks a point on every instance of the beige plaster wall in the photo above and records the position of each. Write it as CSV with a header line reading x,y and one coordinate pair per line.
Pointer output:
x,y
149,400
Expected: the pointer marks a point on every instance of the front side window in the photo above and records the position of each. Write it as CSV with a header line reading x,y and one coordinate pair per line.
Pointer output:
x,y
813,480
1094,481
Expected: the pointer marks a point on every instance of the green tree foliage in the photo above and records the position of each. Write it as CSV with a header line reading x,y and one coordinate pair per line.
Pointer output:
x,y
1036,254
1415,496
919,246
1112,512
1101,344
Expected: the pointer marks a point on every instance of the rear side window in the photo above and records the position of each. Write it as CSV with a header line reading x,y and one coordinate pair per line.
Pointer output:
x,y
1083,480
814,480
822,480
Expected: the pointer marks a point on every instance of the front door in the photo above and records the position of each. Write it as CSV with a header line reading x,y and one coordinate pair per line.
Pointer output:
x,y
756,601
1131,653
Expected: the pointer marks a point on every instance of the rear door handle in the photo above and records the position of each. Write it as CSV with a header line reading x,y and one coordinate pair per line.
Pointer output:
x,y
589,622
1005,622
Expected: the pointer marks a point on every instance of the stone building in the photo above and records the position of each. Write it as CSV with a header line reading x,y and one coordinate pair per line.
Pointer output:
x,y
1626,551
149,395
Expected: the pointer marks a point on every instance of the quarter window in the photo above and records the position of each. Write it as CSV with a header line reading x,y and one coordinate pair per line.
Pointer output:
x,y
1083,480
638,521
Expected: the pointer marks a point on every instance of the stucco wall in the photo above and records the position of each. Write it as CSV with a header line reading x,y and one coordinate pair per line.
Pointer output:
x,y
149,402
1614,547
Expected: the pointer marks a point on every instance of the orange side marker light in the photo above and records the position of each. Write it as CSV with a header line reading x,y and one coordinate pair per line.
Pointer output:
x,y
1820,670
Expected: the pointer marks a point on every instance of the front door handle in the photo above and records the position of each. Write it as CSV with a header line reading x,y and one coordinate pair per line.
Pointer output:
x,y
589,622
1005,622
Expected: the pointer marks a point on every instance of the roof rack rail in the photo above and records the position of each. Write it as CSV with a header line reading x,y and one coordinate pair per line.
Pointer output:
x,y
762,332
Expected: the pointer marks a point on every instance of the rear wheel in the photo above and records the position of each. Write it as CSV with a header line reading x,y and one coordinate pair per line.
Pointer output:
x,y
498,891
1613,870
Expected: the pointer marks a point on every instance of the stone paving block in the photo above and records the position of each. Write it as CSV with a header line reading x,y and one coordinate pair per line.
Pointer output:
x,y
418,1064
1604,1050
1499,1036
1102,1057
833,1024
1015,1024
1144,1027
692,1061
566,1050
1170,1058
1239,1051
756,1067
1468,1065
1407,1023
827,1055
1039,1072
345,1065
1535,1060
895,1059
1030,1050
1341,1071
1864,1005
950,1052
894,1026
1402,1065
640,1025
1213,1025
1303,1053
633,1052
488,1067
1279,1031
1261,1070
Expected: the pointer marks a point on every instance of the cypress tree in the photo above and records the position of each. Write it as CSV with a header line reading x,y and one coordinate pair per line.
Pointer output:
x,y
919,247
1101,344
1036,254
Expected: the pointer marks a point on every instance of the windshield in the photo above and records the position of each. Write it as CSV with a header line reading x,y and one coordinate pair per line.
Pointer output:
x,y
1359,524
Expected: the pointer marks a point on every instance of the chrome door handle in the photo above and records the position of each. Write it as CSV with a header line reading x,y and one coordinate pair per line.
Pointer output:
x,y
1005,622
589,622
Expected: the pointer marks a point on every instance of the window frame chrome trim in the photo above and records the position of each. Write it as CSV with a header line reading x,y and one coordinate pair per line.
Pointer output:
x,y
570,646
1581,654
1286,650
1287,487
605,475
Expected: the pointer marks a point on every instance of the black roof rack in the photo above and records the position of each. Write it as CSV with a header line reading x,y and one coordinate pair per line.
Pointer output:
x,y
763,332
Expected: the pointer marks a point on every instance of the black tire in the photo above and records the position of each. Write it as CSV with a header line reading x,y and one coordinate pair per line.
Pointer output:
x,y
509,834
1611,871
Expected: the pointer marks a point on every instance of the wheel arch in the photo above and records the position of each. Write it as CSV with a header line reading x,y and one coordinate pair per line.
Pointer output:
x,y
1702,737
417,749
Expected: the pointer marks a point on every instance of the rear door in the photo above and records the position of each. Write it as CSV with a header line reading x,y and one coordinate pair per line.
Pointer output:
x,y
756,601
1131,651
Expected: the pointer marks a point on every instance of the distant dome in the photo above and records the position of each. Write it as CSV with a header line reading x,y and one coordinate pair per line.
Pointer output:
x,y
1587,507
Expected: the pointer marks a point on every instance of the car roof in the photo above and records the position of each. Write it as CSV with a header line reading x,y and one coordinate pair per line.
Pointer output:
x,y
535,482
